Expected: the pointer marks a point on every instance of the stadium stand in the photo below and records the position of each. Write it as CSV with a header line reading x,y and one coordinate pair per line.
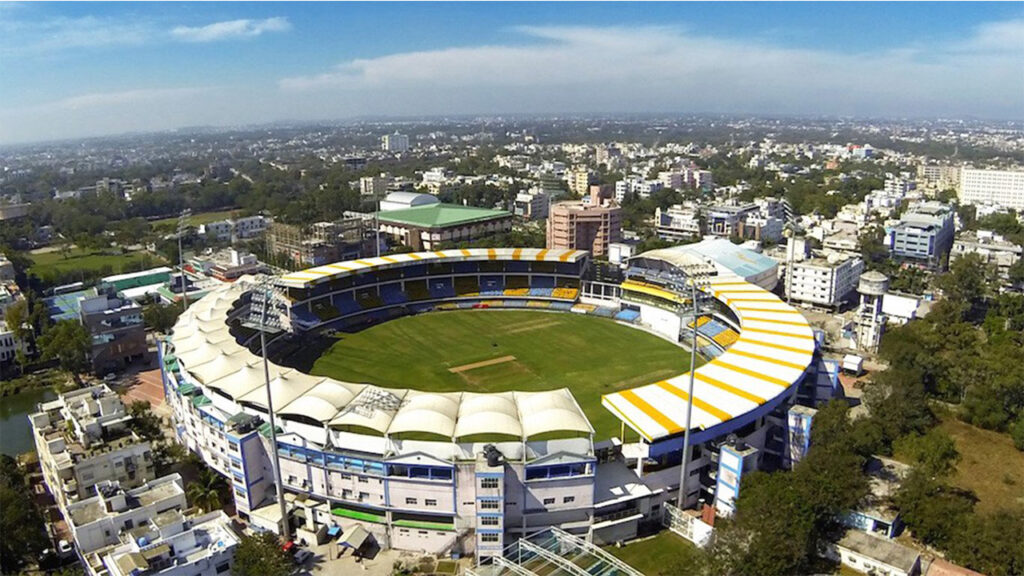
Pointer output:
x,y
441,288
492,286
324,311
368,300
565,293
467,286
417,290
392,294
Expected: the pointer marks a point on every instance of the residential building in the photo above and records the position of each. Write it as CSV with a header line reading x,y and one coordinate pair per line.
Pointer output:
x,y
321,242
82,439
118,332
13,211
578,226
374,186
100,520
942,176
824,281
533,204
427,227
227,265
234,229
403,200
924,233
999,187
6,268
673,180
579,180
873,555
394,143
9,345
636,186
993,249
752,221
679,223
172,544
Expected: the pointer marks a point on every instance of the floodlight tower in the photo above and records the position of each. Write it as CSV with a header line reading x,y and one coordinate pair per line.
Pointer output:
x,y
694,278
182,226
266,289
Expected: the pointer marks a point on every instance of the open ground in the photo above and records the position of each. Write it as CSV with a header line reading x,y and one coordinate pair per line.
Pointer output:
x,y
590,356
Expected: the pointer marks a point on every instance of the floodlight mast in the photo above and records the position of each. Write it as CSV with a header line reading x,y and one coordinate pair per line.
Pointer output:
x,y
685,465
182,225
266,290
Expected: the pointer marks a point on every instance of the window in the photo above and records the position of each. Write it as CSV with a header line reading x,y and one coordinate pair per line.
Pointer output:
x,y
488,520
568,499
411,501
489,504
223,567
430,502
488,483
488,537
363,480
549,501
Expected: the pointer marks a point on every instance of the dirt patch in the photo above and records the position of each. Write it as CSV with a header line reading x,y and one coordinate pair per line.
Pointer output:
x,y
531,326
491,362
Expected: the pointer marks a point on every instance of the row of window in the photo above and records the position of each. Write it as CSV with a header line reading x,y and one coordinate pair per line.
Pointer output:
x,y
565,500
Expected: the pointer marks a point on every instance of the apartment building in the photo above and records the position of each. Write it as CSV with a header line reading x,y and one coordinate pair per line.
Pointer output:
x,y
993,249
924,233
394,142
100,521
234,228
82,439
578,226
374,186
6,269
171,544
579,180
678,223
824,281
117,329
998,187
533,204
940,176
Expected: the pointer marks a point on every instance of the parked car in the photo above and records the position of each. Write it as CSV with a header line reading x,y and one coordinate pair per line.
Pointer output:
x,y
302,556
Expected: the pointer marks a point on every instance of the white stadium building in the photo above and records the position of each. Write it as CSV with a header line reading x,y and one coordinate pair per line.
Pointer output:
x,y
465,472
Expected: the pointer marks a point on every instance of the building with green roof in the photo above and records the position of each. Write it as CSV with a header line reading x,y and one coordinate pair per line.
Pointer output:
x,y
426,227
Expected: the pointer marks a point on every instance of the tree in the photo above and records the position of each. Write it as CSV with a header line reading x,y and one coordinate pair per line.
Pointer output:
x,y
21,523
933,510
144,422
160,317
70,343
261,555
935,452
991,544
206,490
17,318
968,280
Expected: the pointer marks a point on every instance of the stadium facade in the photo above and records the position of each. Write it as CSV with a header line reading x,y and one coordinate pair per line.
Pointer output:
x,y
468,472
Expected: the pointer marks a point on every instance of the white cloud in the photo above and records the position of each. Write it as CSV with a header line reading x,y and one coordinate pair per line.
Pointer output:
x,y
586,69
230,29
122,98
30,36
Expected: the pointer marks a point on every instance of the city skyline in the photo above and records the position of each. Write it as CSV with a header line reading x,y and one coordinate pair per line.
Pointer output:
x,y
100,69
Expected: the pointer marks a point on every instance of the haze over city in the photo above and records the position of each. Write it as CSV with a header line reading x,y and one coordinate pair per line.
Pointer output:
x,y
79,70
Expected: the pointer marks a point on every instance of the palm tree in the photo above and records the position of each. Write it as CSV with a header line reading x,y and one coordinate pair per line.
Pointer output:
x,y
204,493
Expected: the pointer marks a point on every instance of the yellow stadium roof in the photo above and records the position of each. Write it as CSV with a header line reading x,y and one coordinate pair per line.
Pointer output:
x,y
774,348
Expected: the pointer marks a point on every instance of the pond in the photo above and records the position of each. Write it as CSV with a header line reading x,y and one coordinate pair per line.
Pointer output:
x,y
15,431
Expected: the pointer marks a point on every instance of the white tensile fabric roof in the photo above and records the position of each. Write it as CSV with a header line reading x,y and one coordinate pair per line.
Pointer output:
x,y
212,356
774,348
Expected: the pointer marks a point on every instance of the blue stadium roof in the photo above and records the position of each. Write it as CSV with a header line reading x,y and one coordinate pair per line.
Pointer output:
x,y
742,261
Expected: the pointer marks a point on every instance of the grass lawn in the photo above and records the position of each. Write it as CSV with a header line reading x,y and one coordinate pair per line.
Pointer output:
x,y
195,219
989,465
89,260
666,554
590,356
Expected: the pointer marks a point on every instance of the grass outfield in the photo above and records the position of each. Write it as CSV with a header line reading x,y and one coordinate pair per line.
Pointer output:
x,y
88,260
195,219
590,356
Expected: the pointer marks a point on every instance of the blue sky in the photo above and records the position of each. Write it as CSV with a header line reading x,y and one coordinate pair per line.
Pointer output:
x,y
80,69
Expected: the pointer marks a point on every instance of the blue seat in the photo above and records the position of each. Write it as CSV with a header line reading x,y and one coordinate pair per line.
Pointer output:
x,y
441,288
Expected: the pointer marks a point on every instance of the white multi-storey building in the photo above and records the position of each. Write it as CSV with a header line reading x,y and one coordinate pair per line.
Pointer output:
x,y
532,204
678,223
999,187
394,142
993,249
374,186
172,544
824,282
82,439
99,521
